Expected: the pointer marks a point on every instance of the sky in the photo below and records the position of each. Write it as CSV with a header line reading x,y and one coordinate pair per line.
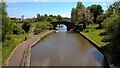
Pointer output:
x,y
31,9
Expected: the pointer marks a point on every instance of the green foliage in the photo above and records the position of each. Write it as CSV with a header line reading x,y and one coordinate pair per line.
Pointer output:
x,y
80,15
45,17
110,10
59,18
96,10
7,46
74,15
108,20
101,18
49,19
113,30
37,30
42,26
116,7
17,30
92,33
5,20
26,26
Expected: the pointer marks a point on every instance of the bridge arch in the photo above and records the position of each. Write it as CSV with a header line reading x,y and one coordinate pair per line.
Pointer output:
x,y
68,24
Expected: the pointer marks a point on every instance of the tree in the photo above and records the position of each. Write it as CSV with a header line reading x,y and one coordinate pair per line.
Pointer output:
x,y
59,18
38,17
5,20
17,29
112,25
110,10
48,19
101,18
74,15
116,7
26,26
80,15
96,10
45,16
113,31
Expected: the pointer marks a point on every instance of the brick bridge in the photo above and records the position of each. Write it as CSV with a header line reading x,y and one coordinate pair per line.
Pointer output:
x,y
68,24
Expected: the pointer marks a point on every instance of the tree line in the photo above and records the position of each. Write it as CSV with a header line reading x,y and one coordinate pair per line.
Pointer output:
x,y
83,16
108,20
20,25
17,30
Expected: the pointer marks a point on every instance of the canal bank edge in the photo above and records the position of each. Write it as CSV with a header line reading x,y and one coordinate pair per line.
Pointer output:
x,y
96,46
7,60
40,38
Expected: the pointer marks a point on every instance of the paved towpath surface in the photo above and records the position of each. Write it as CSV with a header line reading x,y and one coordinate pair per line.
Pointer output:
x,y
16,57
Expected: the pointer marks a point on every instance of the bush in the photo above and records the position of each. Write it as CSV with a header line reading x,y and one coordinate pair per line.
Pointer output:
x,y
109,20
41,26
18,30
113,30
100,19
37,30
44,25
26,26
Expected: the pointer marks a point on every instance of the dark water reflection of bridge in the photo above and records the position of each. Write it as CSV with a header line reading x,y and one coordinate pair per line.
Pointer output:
x,y
65,49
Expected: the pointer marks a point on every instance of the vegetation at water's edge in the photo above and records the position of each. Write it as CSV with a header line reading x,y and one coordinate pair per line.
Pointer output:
x,y
101,27
106,34
17,30
94,34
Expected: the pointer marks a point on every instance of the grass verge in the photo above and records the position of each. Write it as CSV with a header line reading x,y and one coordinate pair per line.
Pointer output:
x,y
94,34
9,45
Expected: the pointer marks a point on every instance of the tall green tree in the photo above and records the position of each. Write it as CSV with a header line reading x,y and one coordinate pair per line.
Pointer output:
x,y
80,15
96,10
112,24
5,20
116,7
74,15
110,10
113,31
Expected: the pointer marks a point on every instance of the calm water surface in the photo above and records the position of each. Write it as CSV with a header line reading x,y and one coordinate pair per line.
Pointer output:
x,y
65,49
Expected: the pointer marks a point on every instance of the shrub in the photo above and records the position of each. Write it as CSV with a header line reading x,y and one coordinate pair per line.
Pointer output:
x,y
37,30
113,30
18,30
26,26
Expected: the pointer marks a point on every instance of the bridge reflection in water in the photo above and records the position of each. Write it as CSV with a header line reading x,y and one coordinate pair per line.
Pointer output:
x,y
65,49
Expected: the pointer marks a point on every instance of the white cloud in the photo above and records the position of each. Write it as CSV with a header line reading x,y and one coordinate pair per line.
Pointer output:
x,y
103,3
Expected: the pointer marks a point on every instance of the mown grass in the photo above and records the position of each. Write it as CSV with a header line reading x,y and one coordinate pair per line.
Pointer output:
x,y
94,34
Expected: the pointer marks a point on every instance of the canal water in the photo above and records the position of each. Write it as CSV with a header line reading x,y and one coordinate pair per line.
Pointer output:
x,y
65,49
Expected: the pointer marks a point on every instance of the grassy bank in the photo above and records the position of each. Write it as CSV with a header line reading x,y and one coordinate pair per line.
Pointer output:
x,y
11,42
9,45
94,34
